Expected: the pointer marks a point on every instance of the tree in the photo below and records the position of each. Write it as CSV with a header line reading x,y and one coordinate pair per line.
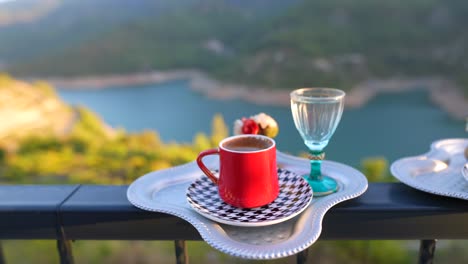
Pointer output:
x,y
201,142
376,169
46,88
2,155
219,129
5,80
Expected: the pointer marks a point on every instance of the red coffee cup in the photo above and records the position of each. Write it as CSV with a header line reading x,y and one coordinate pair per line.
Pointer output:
x,y
247,170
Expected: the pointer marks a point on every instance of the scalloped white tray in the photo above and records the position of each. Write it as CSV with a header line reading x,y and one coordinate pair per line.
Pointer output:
x,y
438,171
164,191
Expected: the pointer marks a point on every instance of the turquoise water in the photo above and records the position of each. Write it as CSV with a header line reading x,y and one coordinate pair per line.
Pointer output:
x,y
391,125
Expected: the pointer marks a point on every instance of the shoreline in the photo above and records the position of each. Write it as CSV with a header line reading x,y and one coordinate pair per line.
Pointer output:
x,y
442,92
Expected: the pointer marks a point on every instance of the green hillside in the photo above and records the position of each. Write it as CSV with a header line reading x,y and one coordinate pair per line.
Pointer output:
x,y
325,42
44,140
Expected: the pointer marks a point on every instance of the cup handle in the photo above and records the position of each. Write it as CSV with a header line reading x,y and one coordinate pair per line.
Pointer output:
x,y
202,165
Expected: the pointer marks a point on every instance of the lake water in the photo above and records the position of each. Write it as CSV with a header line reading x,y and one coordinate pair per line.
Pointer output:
x,y
391,125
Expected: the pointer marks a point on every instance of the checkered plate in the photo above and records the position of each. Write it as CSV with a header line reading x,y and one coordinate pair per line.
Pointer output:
x,y
295,195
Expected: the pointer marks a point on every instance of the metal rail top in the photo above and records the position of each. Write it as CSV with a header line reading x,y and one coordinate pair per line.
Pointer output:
x,y
385,211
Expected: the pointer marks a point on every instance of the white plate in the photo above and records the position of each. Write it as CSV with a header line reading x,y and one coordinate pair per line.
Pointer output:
x,y
294,197
164,191
438,172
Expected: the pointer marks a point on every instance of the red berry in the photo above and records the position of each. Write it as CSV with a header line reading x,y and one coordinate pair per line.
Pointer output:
x,y
250,126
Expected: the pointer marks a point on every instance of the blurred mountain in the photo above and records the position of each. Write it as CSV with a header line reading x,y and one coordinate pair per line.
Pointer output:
x,y
12,12
27,109
273,43
34,109
68,24
56,26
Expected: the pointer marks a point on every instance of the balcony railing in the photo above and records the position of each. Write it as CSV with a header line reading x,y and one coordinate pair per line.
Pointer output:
x,y
390,211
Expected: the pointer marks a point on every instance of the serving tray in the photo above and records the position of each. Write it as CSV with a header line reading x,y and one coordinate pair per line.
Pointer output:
x,y
438,171
165,191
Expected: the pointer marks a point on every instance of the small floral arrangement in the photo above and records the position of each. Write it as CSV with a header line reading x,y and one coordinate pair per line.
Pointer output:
x,y
261,124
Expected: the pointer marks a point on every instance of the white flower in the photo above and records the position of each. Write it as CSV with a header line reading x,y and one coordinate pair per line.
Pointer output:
x,y
264,121
238,127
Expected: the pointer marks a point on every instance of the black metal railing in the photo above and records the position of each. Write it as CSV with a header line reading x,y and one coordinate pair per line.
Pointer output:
x,y
390,211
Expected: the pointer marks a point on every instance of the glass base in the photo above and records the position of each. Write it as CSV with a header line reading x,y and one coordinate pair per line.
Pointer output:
x,y
324,187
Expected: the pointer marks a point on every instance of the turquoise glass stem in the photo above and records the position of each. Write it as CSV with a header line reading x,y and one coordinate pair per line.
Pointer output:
x,y
321,185
316,158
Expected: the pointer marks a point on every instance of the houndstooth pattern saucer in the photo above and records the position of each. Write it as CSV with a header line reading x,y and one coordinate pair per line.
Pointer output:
x,y
295,195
